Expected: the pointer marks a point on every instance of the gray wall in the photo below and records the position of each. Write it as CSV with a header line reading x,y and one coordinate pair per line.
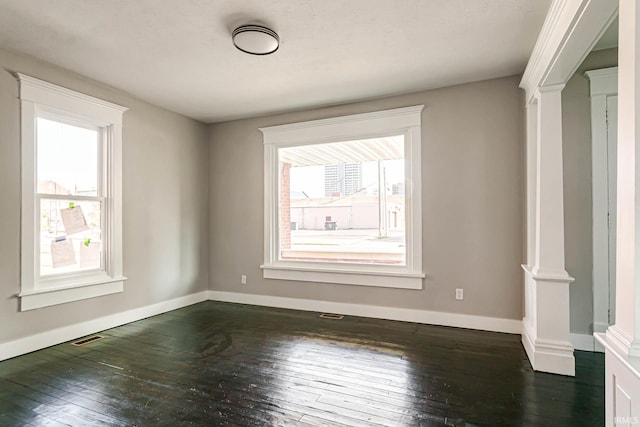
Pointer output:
x,y
576,152
473,203
165,215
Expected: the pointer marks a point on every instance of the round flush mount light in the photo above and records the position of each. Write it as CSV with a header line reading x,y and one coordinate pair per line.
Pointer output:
x,y
255,39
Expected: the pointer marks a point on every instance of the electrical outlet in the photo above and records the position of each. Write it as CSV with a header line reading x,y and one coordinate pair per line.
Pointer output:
x,y
243,279
459,293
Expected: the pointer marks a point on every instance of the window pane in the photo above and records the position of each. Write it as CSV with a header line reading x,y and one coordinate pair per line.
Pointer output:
x,y
67,159
77,248
343,202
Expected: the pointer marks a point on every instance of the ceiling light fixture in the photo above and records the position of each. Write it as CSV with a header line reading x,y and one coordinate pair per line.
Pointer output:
x,y
255,39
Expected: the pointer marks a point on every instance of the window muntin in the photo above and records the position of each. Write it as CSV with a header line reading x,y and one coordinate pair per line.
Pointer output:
x,y
337,212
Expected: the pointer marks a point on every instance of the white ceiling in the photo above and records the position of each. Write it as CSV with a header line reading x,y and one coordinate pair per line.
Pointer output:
x,y
178,54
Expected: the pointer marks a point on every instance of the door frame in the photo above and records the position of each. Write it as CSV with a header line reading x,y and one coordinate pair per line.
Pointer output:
x,y
603,84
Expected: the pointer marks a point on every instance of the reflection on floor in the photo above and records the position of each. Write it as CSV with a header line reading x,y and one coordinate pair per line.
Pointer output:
x,y
227,364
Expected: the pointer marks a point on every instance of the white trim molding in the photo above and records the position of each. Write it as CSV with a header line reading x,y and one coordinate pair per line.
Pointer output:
x,y
585,342
622,383
494,324
603,84
45,297
547,355
385,279
545,327
625,343
546,331
622,340
60,335
40,99
48,94
67,333
400,121
570,30
565,40
603,81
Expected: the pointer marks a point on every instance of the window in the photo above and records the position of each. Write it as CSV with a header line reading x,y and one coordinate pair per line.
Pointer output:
x,y
342,200
345,202
71,195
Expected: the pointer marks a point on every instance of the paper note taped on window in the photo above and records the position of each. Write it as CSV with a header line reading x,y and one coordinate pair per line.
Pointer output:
x,y
90,255
62,254
73,220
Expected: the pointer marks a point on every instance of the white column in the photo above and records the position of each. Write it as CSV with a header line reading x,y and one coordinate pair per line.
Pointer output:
x,y
549,238
529,320
622,340
627,323
546,335
532,132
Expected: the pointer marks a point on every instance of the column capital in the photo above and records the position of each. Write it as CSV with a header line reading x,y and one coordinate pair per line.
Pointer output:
x,y
560,277
548,89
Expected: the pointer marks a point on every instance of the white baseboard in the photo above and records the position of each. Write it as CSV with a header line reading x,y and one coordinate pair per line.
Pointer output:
x,y
527,343
390,313
599,327
56,336
555,357
586,342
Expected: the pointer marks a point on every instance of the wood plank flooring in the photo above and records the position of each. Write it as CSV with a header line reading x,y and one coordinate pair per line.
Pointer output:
x,y
220,364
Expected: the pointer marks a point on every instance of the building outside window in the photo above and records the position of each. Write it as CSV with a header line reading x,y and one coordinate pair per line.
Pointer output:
x,y
350,222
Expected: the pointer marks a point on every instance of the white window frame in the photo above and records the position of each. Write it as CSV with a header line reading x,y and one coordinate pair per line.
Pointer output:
x,y
42,99
400,121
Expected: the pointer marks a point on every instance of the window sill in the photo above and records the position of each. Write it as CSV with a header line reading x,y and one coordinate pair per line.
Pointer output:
x,y
91,287
384,279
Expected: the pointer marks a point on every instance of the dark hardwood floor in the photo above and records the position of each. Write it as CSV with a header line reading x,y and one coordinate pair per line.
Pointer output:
x,y
215,364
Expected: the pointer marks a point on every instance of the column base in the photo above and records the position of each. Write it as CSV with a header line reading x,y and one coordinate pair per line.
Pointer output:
x,y
545,334
555,357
